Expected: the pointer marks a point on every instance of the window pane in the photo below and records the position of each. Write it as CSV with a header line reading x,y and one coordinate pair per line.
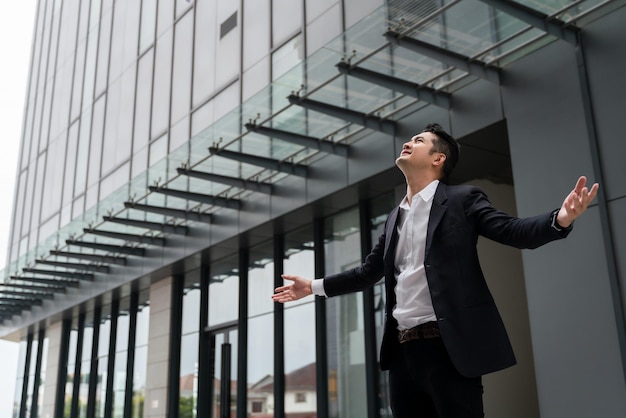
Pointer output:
x,y
287,56
344,315
162,75
256,31
299,341
181,77
148,24
188,398
379,209
261,280
224,291
286,21
261,365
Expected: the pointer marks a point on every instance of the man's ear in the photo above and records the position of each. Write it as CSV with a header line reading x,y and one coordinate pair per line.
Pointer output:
x,y
441,158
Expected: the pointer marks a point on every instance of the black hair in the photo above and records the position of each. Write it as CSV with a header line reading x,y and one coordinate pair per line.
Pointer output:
x,y
445,144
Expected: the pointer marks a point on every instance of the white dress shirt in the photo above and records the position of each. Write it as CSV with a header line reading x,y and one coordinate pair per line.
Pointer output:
x,y
413,303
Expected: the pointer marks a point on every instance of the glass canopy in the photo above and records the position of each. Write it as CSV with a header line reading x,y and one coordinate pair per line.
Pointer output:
x,y
402,57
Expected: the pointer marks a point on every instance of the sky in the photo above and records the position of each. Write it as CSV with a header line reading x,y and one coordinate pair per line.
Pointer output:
x,y
16,34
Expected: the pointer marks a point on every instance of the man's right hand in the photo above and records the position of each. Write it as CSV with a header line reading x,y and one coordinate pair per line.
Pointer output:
x,y
300,288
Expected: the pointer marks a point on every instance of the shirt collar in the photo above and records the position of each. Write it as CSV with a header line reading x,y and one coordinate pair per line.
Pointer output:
x,y
426,194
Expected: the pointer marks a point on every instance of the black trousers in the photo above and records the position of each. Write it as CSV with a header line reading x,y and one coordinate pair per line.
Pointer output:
x,y
425,384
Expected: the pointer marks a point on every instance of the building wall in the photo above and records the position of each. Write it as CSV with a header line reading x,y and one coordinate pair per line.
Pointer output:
x,y
117,85
572,310
130,106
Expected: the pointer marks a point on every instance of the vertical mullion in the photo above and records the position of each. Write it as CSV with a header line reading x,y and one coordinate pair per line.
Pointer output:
x,y
242,352
279,330
321,354
173,393
108,397
130,361
369,326
59,396
93,370
77,365
204,377
37,378
29,349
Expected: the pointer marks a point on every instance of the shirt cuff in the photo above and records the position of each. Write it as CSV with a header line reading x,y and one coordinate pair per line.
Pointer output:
x,y
317,286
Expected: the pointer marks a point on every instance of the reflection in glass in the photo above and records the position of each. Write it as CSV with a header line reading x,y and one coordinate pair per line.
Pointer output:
x,y
121,358
261,331
140,361
379,209
224,348
299,344
224,291
287,56
85,367
103,362
188,400
188,395
346,341
71,368
21,363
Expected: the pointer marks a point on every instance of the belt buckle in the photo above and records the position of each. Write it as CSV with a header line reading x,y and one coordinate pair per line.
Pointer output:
x,y
403,335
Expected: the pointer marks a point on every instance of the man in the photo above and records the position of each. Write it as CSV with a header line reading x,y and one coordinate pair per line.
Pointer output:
x,y
442,328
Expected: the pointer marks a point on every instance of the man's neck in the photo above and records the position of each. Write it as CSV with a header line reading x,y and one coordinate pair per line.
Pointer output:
x,y
415,184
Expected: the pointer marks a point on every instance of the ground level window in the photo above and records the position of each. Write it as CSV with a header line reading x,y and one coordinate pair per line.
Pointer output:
x,y
257,407
300,397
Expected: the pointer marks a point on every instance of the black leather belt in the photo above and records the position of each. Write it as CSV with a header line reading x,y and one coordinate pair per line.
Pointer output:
x,y
423,331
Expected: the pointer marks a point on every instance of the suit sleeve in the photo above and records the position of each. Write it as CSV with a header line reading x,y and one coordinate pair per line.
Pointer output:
x,y
531,232
358,278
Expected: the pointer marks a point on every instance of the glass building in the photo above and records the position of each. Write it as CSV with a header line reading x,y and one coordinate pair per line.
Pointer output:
x,y
179,155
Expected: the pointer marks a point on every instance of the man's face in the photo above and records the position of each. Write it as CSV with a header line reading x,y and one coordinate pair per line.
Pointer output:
x,y
418,151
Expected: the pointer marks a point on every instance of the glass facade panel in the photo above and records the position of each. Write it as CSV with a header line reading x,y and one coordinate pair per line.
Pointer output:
x,y
71,371
204,52
148,24
286,20
141,361
104,338
224,291
188,399
95,149
224,346
21,364
299,329
379,209
228,47
31,377
181,72
261,331
70,165
162,76
53,183
190,334
344,314
85,368
104,44
256,31
121,359
287,56
324,27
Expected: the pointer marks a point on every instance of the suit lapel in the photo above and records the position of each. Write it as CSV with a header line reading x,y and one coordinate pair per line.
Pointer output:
x,y
391,233
436,214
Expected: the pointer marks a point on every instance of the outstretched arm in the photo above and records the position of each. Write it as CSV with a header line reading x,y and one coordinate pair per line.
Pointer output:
x,y
576,202
300,288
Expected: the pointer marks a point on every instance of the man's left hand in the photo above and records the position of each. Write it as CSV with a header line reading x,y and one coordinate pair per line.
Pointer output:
x,y
576,202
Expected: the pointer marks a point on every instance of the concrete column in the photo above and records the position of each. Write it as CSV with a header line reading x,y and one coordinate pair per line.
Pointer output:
x,y
53,333
158,349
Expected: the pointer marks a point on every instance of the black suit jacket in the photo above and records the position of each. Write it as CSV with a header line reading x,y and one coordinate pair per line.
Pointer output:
x,y
470,325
